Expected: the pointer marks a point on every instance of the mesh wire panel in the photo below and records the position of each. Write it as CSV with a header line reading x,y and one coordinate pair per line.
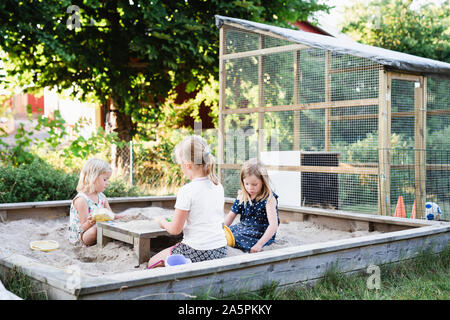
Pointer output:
x,y
279,131
330,125
358,193
312,130
242,90
278,73
239,41
311,75
231,182
438,144
354,133
240,138
270,42
353,78
402,144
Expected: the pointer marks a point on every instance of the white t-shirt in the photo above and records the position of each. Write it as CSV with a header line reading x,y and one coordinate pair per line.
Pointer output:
x,y
205,201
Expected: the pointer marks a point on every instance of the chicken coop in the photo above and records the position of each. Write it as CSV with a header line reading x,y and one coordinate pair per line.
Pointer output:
x,y
339,125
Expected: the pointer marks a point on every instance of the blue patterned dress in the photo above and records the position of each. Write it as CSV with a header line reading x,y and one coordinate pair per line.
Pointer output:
x,y
253,223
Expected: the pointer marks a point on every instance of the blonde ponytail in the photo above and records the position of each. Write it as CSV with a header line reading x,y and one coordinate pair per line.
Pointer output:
x,y
210,168
194,149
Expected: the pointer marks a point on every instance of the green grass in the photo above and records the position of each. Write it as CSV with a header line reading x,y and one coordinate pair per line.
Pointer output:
x,y
423,278
20,284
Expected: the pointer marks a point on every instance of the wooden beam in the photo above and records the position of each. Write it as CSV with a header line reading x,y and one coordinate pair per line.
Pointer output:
x,y
342,168
257,32
222,82
327,100
384,143
307,106
296,94
353,69
420,115
264,51
404,114
436,167
404,76
261,98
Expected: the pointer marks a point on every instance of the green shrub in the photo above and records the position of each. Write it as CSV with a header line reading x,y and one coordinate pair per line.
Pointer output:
x,y
37,181
119,188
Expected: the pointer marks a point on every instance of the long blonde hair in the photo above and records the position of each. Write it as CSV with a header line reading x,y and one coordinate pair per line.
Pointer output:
x,y
194,149
91,170
254,167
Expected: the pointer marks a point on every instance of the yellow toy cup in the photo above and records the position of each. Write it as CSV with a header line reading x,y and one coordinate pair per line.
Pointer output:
x,y
229,236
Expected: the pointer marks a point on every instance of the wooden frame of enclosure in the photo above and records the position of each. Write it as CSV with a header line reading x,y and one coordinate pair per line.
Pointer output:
x,y
400,239
380,169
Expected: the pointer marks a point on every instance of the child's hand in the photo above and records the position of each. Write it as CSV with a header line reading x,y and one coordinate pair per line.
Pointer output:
x,y
90,221
162,222
118,216
256,248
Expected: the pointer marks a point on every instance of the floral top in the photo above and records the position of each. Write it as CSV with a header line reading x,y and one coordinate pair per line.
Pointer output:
x,y
75,223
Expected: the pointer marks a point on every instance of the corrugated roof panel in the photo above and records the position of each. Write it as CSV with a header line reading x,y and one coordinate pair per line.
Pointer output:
x,y
395,59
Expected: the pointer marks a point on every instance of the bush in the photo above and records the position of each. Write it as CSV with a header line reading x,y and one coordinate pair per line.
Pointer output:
x,y
37,181
119,188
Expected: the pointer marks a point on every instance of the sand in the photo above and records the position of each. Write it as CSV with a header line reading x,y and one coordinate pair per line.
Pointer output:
x,y
116,256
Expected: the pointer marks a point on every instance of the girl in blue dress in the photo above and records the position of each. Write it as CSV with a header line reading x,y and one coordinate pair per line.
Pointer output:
x,y
258,207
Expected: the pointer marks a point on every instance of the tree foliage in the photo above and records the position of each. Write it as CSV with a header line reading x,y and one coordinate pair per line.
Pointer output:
x,y
398,25
130,51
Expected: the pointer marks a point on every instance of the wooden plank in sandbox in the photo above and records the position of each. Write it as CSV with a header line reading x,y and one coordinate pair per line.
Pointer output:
x,y
287,266
60,208
137,232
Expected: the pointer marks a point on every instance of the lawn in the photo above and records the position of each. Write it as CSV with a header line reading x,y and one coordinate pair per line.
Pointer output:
x,y
423,278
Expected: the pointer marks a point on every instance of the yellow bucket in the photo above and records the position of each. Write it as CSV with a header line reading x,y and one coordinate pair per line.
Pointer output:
x,y
229,236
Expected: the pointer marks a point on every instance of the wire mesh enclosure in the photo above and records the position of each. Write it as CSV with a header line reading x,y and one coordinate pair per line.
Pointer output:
x,y
335,130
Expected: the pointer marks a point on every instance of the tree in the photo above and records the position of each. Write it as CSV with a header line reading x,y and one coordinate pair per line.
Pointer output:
x,y
399,26
128,52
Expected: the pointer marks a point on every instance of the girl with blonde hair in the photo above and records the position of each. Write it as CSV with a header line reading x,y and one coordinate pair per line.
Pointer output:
x,y
258,206
199,207
94,179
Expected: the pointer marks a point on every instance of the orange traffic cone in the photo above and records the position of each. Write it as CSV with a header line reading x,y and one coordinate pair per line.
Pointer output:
x,y
400,208
413,212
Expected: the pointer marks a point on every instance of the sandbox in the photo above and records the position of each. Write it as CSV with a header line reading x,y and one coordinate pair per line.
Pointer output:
x,y
309,241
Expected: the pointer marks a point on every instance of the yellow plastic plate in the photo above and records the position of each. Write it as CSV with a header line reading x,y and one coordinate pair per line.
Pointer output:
x,y
229,236
44,245
102,214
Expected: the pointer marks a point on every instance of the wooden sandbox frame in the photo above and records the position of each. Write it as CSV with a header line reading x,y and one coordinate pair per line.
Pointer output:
x,y
401,239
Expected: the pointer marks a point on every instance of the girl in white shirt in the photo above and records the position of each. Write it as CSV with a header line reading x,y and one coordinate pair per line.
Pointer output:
x,y
199,208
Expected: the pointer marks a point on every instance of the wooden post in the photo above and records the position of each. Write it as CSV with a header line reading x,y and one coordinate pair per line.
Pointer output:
x,y
384,143
296,100
327,99
222,82
420,115
102,240
261,98
141,248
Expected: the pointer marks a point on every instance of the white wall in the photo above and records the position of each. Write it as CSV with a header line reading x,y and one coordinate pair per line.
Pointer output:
x,y
286,184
